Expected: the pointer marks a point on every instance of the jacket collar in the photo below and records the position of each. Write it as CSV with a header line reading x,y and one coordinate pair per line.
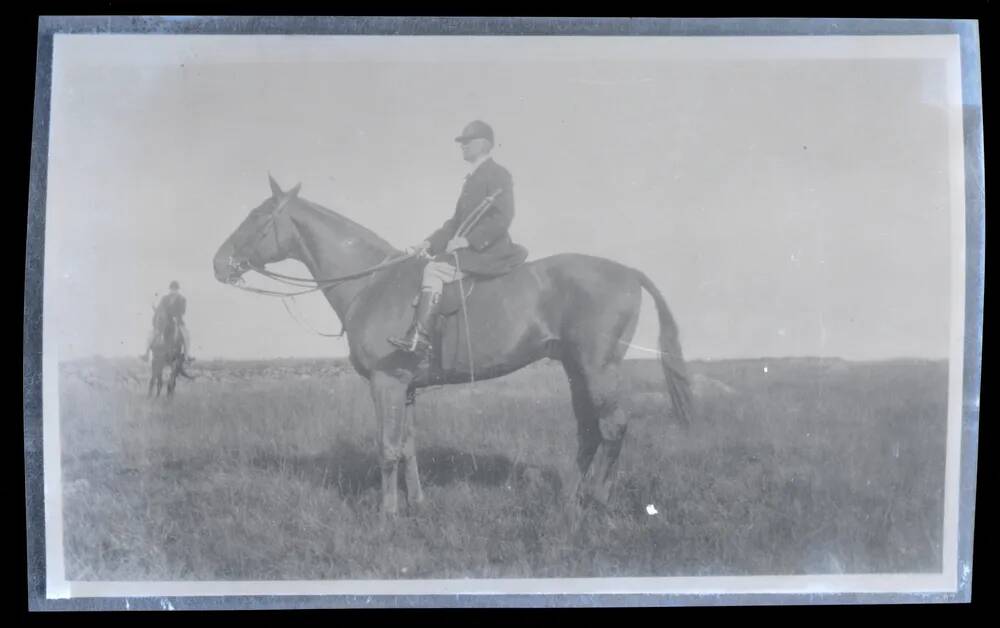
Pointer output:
x,y
474,166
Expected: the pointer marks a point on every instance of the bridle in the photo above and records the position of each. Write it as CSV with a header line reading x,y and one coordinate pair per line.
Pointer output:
x,y
310,284
240,265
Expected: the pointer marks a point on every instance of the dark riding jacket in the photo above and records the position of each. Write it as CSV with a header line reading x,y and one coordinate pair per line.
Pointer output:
x,y
172,305
491,251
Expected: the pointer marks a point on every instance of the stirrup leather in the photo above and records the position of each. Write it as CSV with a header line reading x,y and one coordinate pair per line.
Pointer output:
x,y
417,338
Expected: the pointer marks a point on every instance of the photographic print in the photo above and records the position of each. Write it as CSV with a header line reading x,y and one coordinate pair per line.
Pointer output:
x,y
341,312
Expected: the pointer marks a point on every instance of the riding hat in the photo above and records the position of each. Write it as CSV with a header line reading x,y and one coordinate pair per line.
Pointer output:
x,y
475,130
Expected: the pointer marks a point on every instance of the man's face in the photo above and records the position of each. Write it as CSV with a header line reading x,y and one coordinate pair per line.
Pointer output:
x,y
474,149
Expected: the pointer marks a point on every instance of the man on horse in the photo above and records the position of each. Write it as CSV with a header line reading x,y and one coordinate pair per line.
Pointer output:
x,y
474,241
172,306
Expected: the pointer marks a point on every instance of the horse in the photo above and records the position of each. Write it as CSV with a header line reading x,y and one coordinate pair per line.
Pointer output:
x,y
168,352
577,309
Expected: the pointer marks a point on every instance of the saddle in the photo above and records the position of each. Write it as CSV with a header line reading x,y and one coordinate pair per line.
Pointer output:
x,y
446,324
451,295
447,332
167,332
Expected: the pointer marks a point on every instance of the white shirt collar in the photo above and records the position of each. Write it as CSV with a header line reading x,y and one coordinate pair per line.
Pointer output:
x,y
475,165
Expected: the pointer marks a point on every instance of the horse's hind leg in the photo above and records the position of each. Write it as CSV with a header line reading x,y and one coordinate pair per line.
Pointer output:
x,y
588,433
612,423
599,351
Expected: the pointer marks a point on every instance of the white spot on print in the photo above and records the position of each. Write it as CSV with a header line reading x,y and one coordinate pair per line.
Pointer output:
x,y
650,509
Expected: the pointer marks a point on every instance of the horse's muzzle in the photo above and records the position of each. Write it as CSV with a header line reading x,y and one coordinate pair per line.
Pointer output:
x,y
230,269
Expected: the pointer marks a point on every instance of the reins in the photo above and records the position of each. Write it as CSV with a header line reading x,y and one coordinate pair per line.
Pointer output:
x,y
309,327
320,284
462,231
314,285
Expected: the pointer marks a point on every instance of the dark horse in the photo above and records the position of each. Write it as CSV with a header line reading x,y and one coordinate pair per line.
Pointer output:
x,y
168,352
578,309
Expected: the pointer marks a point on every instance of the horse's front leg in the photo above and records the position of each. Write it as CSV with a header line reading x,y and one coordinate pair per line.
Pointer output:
x,y
172,380
414,493
389,395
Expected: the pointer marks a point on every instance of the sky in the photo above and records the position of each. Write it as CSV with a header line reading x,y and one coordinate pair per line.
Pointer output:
x,y
787,199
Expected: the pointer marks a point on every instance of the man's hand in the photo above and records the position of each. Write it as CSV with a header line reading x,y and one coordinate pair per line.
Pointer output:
x,y
455,244
417,249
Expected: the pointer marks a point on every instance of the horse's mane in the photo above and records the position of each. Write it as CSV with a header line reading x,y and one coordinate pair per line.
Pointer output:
x,y
369,236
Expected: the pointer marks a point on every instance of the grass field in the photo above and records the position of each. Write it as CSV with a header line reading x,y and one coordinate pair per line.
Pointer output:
x,y
268,470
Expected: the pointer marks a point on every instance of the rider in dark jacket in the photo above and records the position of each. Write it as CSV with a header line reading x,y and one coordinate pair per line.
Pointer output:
x,y
172,305
485,249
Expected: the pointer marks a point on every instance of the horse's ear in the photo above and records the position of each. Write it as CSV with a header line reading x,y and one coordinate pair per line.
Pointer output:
x,y
295,190
275,188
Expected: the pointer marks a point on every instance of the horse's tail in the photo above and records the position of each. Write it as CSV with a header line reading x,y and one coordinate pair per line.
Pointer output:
x,y
671,356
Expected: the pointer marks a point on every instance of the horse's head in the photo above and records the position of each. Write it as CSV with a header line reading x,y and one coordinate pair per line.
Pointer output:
x,y
265,236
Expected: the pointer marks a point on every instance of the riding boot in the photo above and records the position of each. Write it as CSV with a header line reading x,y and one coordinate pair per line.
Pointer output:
x,y
417,338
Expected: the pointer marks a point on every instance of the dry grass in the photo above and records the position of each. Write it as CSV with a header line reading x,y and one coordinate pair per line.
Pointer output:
x,y
269,471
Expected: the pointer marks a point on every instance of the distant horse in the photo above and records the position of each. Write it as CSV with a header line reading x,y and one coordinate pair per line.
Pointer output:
x,y
168,352
577,309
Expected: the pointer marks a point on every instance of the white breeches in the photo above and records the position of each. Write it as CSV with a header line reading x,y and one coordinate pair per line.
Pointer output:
x,y
436,274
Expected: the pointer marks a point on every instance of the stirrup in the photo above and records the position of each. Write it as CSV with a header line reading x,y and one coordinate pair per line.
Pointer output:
x,y
413,342
417,346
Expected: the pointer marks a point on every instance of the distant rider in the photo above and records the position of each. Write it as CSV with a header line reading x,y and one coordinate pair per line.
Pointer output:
x,y
172,305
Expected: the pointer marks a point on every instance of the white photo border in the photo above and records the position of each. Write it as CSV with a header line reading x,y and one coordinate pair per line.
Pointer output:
x,y
48,589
